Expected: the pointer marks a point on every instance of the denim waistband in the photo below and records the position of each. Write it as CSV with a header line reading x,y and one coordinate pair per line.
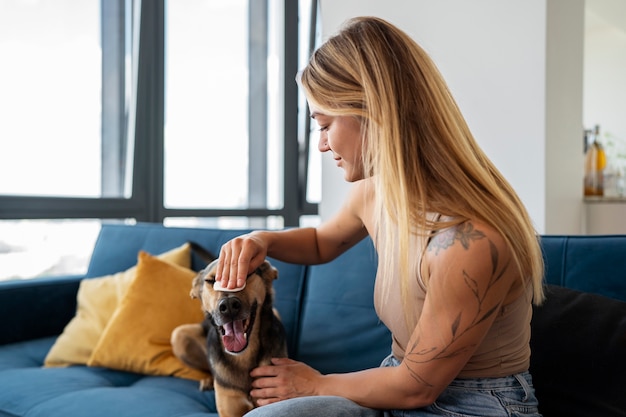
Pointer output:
x,y
523,378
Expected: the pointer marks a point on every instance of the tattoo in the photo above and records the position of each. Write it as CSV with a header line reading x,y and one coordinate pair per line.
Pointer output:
x,y
465,234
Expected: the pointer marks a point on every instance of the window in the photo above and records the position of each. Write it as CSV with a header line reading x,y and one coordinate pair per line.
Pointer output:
x,y
209,60
185,113
50,103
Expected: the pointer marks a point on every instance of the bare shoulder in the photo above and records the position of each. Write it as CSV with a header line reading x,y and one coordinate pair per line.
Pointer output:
x,y
474,250
469,236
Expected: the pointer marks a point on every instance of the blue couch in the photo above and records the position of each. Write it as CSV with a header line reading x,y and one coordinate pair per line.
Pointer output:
x,y
579,334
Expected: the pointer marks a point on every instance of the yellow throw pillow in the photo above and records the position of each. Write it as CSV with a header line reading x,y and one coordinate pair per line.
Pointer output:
x,y
97,300
137,338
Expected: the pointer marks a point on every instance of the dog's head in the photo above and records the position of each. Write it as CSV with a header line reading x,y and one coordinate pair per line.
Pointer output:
x,y
234,314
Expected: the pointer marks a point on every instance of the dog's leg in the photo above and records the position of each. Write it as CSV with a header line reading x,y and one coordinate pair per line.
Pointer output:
x,y
231,402
189,345
206,384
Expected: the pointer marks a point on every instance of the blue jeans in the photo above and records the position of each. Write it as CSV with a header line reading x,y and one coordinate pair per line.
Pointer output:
x,y
511,396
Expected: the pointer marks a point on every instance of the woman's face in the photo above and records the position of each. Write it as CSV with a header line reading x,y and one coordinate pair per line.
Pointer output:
x,y
342,136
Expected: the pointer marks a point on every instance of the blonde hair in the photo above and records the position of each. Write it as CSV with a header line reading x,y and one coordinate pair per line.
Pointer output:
x,y
418,148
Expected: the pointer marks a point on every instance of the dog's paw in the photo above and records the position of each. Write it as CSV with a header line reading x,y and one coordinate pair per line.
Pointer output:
x,y
206,384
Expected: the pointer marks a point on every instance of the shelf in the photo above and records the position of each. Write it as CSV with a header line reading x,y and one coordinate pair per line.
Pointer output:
x,y
604,200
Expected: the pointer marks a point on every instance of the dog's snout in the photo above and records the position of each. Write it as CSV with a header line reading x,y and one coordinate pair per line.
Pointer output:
x,y
230,306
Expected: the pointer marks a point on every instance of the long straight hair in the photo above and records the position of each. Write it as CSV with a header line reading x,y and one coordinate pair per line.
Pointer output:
x,y
418,148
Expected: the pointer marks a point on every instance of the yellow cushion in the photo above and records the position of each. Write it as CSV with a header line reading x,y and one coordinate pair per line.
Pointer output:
x,y
137,338
97,300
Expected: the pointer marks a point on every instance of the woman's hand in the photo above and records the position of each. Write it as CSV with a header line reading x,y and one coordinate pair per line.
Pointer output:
x,y
282,380
239,257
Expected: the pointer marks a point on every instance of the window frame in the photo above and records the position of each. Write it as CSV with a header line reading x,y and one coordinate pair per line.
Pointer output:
x,y
146,123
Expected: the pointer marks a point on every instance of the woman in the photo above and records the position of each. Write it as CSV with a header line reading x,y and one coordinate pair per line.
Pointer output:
x,y
459,259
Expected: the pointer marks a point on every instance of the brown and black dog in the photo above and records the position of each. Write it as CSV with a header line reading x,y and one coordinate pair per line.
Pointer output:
x,y
240,332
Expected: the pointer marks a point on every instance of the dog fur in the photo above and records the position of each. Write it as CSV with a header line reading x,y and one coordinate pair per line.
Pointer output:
x,y
240,332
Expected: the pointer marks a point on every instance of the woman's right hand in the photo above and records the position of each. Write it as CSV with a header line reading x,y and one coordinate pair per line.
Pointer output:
x,y
239,257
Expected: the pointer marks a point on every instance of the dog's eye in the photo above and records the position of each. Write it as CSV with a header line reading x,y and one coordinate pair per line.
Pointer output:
x,y
210,281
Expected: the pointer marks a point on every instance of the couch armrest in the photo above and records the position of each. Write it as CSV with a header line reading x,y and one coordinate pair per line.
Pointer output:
x,y
40,307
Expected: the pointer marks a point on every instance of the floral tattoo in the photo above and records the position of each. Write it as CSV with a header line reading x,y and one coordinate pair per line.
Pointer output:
x,y
465,234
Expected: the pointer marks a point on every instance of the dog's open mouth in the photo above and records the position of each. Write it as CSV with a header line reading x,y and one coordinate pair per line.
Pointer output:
x,y
236,333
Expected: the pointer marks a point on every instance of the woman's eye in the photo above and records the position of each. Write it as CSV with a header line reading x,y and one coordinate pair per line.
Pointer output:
x,y
323,128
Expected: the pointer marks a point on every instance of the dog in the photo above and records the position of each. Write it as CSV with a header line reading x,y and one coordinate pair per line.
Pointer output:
x,y
240,332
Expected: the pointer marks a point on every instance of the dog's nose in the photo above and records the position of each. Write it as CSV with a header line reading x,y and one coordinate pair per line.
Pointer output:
x,y
230,306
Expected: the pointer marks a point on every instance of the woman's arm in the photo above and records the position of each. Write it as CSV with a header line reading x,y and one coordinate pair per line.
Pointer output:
x,y
308,246
375,388
470,276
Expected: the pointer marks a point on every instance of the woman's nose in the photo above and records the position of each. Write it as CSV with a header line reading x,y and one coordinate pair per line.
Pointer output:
x,y
323,144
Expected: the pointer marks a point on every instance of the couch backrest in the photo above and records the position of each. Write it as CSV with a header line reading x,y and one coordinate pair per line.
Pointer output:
x,y
328,309
340,331
595,264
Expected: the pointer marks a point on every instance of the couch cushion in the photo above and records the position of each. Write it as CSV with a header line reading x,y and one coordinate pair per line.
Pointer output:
x,y
98,392
25,354
336,291
578,357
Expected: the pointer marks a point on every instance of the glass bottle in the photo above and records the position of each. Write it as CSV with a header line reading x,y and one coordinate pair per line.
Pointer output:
x,y
595,163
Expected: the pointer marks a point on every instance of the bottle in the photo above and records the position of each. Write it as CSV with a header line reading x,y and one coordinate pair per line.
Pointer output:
x,y
595,163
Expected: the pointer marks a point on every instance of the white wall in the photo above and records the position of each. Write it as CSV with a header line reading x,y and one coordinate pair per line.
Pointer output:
x,y
564,169
493,55
605,74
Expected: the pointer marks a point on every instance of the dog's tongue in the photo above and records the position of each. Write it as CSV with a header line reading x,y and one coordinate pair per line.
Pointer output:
x,y
234,336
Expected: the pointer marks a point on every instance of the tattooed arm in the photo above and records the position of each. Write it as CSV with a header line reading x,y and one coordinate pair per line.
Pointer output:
x,y
470,276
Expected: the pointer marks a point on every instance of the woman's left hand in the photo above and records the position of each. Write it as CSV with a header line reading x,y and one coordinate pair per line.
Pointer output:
x,y
282,380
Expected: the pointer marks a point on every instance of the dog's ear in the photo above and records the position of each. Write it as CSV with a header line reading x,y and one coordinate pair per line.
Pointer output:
x,y
196,285
267,271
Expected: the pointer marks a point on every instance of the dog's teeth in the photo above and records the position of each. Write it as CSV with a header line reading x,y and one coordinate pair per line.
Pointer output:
x,y
245,336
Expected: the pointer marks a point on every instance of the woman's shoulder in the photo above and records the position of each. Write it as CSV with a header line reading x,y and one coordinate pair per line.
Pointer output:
x,y
466,231
471,240
475,253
